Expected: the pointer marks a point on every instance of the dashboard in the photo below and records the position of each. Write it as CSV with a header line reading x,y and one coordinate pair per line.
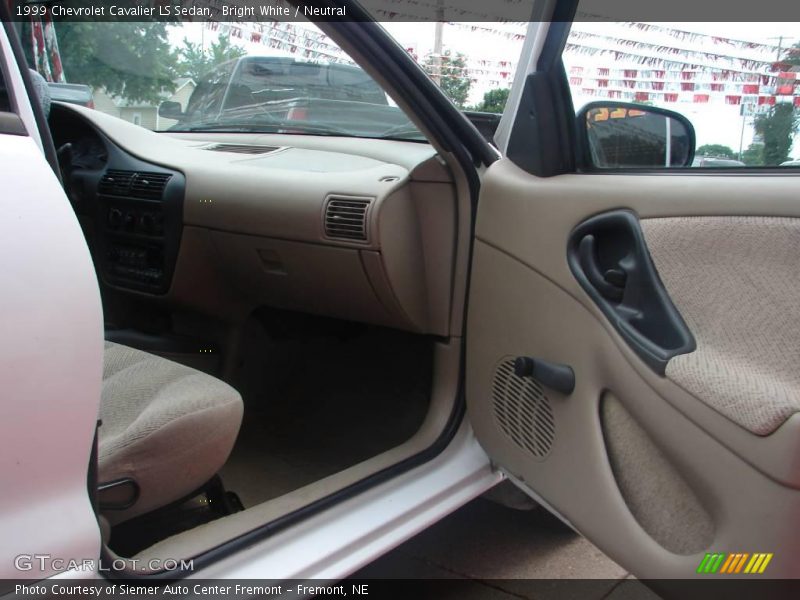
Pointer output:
x,y
221,224
136,206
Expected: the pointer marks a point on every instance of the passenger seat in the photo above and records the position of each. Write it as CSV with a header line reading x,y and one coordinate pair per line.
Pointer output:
x,y
166,430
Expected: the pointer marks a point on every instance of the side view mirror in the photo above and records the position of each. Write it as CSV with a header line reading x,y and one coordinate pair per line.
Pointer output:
x,y
624,135
170,110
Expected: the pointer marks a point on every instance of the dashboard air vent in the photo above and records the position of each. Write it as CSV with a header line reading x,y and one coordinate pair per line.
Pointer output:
x,y
346,218
115,183
148,186
241,148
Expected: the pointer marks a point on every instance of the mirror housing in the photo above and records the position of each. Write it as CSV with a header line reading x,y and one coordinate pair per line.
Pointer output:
x,y
623,135
171,110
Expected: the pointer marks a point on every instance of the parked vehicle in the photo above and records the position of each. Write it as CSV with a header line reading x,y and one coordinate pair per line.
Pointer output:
x,y
270,86
73,93
714,161
288,92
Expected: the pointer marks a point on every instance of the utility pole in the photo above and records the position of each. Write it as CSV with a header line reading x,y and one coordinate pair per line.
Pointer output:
x,y
779,49
741,134
437,43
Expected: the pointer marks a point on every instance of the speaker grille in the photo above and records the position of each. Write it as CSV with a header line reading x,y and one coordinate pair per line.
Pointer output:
x,y
522,410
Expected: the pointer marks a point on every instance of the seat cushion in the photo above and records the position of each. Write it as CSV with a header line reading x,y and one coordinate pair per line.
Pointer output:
x,y
166,426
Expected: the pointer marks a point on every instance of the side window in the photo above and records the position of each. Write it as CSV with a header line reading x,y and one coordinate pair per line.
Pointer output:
x,y
737,86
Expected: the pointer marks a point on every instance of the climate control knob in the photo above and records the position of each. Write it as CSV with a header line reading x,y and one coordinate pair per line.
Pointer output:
x,y
148,223
114,218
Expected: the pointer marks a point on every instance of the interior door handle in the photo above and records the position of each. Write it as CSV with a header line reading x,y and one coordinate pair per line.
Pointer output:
x,y
611,284
608,256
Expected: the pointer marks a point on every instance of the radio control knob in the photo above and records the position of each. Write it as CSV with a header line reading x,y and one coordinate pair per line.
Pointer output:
x,y
114,218
148,223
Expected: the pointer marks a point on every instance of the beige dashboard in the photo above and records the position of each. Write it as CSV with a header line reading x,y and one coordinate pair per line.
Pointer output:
x,y
352,228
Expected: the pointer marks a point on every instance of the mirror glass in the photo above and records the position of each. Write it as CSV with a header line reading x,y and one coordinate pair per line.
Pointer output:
x,y
624,136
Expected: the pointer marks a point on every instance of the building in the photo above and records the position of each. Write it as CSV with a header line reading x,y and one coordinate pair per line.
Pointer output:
x,y
144,114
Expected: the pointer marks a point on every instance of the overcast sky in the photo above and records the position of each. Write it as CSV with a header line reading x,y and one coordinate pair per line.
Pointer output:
x,y
420,35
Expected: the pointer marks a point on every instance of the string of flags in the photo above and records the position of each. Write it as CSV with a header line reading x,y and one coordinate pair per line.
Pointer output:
x,y
697,37
47,59
295,39
314,45
720,70
675,74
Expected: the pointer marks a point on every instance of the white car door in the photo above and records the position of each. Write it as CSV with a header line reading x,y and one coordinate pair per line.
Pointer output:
x,y
51,354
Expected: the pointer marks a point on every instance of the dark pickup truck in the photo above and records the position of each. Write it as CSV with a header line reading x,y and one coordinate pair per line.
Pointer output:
x,y
289,95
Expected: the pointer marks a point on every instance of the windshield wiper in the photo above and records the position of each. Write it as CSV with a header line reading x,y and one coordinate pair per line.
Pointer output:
x,y
315,128
300,127
217,126
401,131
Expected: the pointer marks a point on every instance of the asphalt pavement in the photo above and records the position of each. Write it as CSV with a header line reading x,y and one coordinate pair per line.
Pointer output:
x,y
485,550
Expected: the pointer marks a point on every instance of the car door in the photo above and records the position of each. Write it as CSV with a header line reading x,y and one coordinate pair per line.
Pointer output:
x,y
51,358
675,448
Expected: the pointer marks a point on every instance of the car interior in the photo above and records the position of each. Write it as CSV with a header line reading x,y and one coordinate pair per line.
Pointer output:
x,y
282,319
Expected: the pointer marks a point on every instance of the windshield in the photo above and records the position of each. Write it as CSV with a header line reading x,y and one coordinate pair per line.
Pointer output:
x,y
240,77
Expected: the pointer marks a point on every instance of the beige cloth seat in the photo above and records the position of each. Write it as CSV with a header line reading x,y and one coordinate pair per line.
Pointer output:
x,y
168,427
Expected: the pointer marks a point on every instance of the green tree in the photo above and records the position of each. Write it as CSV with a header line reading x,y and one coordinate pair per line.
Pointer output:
x,y
715,150
777,127
494,101
792,55
451,73
132,60
194,61
753,156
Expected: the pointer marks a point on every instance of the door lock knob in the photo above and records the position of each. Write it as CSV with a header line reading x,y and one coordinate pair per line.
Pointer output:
x,y
556,376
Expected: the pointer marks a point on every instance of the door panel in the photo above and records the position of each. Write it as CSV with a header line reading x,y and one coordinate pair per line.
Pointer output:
x,y
657,469
736,280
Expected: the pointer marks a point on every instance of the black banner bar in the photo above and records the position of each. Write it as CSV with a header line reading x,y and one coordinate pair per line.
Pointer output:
x,y
400,10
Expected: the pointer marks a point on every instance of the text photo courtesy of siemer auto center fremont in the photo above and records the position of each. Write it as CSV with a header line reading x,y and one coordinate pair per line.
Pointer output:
x,y
399,298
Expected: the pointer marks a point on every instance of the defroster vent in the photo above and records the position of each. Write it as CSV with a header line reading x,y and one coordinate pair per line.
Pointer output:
x,y
242,148
523,410
346,218
131,184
